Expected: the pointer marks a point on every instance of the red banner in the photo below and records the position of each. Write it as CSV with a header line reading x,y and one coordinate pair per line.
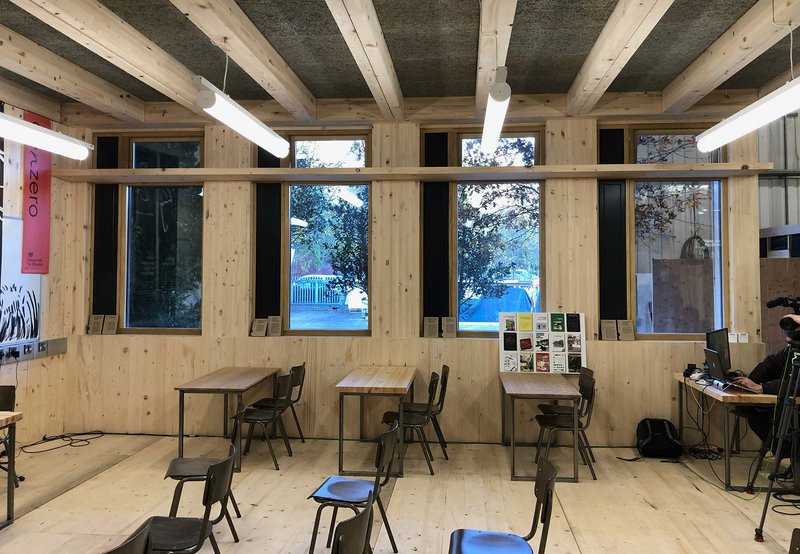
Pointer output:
x,y
36,205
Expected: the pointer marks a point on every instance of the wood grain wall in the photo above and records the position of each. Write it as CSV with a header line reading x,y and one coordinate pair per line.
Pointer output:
x,y
125,383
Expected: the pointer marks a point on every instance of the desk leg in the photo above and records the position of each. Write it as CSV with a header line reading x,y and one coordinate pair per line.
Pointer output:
x,y
726,449
513,440
225,415
180,424
341,433
237,432
11,450
681,394
361,417
402,433
575,439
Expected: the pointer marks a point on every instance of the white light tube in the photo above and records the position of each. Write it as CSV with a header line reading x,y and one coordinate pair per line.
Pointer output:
x,y
764,110
24,132
496,106
221,107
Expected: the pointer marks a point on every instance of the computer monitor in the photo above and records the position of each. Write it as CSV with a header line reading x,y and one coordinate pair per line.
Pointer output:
x,y
714,363
718,341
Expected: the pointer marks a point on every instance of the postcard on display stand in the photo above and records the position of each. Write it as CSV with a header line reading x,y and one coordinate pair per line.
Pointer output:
x,y
525,322
626,329
509,361
449,327
110,325
259,328
608,329
274,323
430,327
95,324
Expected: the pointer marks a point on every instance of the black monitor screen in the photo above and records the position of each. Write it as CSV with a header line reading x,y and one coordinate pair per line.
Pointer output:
x,y
718,341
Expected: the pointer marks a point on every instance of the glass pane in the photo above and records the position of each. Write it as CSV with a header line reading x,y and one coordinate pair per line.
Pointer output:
x,y
329,239
678,261
164,242
330,153
498,252
511,151
671,149
167,154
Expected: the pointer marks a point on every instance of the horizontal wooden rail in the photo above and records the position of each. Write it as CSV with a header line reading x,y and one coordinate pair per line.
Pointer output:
x,y
360,175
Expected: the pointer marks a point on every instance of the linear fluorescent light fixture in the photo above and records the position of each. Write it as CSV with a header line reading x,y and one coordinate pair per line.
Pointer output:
x,y
24,132
778,103
220,106
496,106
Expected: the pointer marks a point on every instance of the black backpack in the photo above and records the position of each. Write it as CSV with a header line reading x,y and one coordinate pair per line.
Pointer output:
x,y
658,438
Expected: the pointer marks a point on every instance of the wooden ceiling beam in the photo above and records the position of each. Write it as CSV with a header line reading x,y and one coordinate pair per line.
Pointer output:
x,y
224,22
497,20
25,99
626,29
359,25
26,58
92,25
752,35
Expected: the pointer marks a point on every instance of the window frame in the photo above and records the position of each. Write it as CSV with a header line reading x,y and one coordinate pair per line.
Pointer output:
x,y
125,160
630,187
286,235
455,153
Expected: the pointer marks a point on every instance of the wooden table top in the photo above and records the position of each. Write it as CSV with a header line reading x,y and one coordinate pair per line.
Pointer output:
x,y
538,385
378,380
729,396
7,418
229,380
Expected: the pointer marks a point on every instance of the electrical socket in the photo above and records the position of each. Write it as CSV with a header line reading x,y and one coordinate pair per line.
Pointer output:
x,y
41,347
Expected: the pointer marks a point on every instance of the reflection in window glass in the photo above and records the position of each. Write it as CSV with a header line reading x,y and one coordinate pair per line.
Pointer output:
x,y
330,153
498,238
167,154
678,257
329,246
164,257
670,148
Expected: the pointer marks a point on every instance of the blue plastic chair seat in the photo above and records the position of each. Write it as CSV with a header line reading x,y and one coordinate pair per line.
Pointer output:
x,y
471,541
342,489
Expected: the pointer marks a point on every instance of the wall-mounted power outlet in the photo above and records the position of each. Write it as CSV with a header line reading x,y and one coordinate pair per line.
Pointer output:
x,y
41,347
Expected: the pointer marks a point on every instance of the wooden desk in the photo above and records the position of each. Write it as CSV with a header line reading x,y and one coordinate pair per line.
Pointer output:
x,y
225,381
379,381
10,419
729,399
549,386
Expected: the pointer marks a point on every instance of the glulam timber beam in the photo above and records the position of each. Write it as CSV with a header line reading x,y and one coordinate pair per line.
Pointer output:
x,y
25,99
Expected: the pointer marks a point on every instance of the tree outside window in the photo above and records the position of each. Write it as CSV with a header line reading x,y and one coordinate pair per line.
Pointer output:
x,y
498,238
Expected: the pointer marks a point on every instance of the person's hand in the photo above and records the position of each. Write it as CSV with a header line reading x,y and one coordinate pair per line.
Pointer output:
x,y
793,317
748,383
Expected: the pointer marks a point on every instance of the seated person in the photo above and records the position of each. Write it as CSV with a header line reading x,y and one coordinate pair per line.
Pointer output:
x,y
766,378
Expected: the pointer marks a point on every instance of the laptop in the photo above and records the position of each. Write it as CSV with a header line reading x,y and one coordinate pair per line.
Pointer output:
x,y
714,363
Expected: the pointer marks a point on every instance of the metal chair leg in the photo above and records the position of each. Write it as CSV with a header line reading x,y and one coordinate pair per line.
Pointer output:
x,y
386,523
249,438
176,499
333,524
440,436
230,524
424,451
297,422
583,447
282,427
214,543
271,451
316,529
427,444
550,432
588,446
235,505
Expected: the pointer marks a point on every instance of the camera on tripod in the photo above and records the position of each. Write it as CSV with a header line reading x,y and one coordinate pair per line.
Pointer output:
x,y
790,327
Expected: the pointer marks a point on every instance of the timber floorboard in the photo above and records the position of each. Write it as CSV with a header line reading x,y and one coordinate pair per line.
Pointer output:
x,y
644,506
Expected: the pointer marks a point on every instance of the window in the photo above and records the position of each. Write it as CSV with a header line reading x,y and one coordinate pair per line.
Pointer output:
x,y
164,235
329,242
162,273
678,229
497,235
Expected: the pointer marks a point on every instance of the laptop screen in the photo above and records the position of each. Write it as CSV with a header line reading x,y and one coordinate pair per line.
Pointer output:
x,y
715,367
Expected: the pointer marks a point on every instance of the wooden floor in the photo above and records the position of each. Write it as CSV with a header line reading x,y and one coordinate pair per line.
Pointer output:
x,y
644,506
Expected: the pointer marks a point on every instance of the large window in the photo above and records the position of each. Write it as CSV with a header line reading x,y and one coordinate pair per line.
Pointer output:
x,y
497,258
678,229
329,241
163,241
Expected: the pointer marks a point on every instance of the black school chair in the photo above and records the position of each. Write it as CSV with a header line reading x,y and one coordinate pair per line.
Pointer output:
x,y
549,409
137,543
269,416
420,407
417,421
352,535
471,541
298,374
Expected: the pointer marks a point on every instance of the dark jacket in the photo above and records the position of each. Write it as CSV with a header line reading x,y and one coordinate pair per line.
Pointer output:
x,y
769,372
